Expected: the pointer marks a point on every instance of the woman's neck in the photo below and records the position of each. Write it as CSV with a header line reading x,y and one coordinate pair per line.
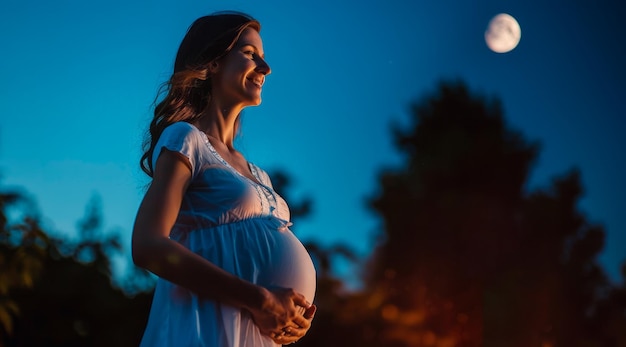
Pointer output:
x,y
220,123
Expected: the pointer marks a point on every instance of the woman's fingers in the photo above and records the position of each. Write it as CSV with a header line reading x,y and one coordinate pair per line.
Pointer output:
x,y
288,335
300,300
310,312
292,333
286,318
302,322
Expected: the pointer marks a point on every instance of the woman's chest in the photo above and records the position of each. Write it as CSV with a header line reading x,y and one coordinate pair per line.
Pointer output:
x,y
221,190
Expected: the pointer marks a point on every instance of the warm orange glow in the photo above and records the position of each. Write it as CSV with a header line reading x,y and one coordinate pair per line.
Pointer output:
x,y
446,342
375,300
389,312
413,317
429,338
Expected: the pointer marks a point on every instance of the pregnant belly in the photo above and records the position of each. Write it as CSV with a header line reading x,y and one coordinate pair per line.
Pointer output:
x,y
257,250
289,265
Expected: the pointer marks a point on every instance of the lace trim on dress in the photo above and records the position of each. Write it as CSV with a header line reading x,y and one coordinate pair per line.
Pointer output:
x,y
265,193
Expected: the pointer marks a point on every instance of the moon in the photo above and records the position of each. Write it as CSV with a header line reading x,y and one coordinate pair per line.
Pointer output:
x,y
503,33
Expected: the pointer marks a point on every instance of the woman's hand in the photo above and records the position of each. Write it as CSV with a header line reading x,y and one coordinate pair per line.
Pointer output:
x,y
285,316
292,334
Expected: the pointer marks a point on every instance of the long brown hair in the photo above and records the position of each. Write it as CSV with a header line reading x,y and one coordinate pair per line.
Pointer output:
x,y
188,91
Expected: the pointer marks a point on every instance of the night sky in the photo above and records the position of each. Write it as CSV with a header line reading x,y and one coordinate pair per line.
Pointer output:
x,y
77,80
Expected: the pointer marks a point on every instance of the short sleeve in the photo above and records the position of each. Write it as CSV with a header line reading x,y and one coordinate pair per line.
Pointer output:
x,y
183,138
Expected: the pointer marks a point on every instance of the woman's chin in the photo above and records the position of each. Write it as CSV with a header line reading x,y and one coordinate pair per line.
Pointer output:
x,y
254,102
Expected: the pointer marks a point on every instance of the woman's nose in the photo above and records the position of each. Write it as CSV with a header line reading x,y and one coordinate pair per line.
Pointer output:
x,y
263,67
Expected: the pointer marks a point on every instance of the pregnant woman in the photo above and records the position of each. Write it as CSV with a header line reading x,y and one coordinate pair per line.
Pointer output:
x,y
211,227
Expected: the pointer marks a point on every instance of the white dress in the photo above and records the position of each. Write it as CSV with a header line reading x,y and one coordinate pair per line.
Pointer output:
x,y
237,224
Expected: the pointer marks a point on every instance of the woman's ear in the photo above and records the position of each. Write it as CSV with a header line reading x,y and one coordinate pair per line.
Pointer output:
x,y
213,67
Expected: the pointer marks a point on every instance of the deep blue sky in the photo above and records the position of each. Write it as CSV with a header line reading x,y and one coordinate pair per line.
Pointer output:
x,y
77,79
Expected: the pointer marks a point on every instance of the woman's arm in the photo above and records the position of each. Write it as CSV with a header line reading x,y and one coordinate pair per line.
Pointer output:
x,y
153,250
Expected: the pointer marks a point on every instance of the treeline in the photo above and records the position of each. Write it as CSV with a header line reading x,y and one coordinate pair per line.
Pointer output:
x,y
468,256
54,292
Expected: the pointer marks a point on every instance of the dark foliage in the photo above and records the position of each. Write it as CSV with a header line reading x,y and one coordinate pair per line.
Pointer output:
x,y
470,257
55,293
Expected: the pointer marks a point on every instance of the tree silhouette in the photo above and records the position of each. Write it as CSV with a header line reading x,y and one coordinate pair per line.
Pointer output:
x,y
470,257
22,253
58,293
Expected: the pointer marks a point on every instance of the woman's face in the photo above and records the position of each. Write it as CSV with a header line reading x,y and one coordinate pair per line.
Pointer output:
x,y
239,76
